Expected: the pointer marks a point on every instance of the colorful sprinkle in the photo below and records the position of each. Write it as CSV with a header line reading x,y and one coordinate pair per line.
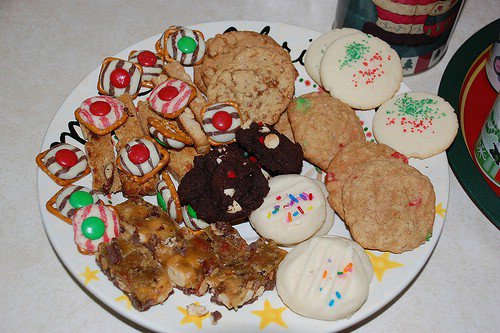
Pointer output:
x,y
332,302
338,295
300,209
325,273
354,52
289,217
292,198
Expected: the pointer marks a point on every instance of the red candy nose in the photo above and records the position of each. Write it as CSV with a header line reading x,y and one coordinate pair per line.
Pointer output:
x,y
66,158
119,78
146,58
100,108
168,93
222,120
138,154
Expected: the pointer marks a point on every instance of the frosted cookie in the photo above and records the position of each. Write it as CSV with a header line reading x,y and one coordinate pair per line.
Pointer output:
x,y
152,65
293,210
344,162
416,124
101,114
171,97
388,206
67,200
330,214
63,163
94,224
323,125
118,77
325,278
361,70
317,49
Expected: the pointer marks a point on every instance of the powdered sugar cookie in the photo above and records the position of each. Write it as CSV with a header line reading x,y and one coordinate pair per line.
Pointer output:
x,y
293,210
317,49
361,70
416,124
325,278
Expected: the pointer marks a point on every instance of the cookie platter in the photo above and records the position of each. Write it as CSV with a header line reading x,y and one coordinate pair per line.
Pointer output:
x,y
393,272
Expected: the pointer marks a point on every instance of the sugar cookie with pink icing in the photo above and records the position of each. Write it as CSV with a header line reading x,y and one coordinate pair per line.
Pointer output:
x,y
361,70
325,278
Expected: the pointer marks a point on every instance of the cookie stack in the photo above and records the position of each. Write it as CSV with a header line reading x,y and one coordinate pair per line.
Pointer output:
x,y
250,69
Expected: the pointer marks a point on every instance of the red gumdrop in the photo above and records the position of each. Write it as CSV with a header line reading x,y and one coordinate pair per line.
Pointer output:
x,y
66,158
222,120
100,108
168,93
138,154
146,58
119,78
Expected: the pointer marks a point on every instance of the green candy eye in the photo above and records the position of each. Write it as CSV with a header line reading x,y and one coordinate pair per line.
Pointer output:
x,y
187,45
93,228
81,199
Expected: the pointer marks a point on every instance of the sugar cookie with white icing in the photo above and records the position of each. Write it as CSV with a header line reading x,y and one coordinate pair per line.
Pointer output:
x,y
293,210
315,52
325,278
361,70
416,124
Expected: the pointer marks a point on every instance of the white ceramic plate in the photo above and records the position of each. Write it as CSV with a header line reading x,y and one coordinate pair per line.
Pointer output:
x,y
392,272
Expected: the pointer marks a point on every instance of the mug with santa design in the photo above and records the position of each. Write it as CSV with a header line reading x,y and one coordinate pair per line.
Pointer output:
x,y
419,30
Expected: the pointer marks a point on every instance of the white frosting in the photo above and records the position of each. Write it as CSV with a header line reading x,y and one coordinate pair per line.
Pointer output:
x,y
177,103
64,172
224,136
106,215
293,210
62,203
135,79
325,278
185,58
146,166
102,122
317,49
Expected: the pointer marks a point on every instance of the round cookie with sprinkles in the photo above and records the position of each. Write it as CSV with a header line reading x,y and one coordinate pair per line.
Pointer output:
x,y
325,278
152,65
315,51
416,124
94,224
70,198
168,134
118,77
344,162
273,150
183,45
63,163
171,97
388,206
293,210
223,185
101,114
361,70
220,122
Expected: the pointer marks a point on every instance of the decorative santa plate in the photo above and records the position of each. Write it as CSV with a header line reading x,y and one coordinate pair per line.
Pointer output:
x,y
466,86
393,273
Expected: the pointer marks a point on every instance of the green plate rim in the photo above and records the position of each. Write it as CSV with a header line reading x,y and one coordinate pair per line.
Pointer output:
x,y
460,161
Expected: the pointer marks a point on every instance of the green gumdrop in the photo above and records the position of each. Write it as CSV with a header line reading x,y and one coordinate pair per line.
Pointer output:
x,y
161,201
93,227
186,44
191,212
81,199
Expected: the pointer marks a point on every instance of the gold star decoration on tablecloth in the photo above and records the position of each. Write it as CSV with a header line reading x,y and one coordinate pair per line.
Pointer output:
x,y
89,275
270,315
197,320
125,299
382,263
440,210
